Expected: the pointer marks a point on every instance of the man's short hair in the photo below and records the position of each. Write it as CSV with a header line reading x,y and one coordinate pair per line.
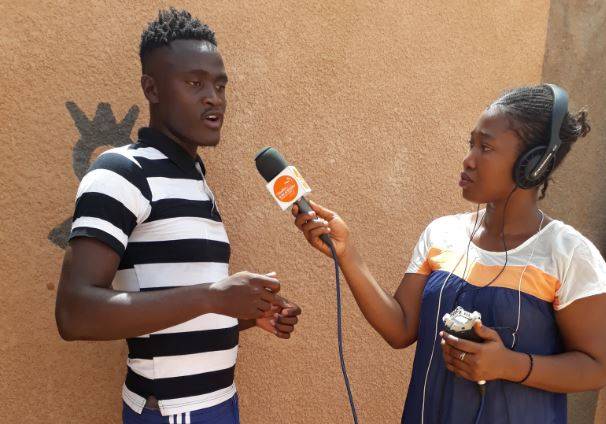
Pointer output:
x,y
171,25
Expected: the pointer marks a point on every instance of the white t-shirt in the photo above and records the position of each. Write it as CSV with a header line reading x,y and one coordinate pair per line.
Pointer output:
x,y
558,264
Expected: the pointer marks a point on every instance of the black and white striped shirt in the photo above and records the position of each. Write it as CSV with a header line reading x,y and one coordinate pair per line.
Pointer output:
x,y
149,201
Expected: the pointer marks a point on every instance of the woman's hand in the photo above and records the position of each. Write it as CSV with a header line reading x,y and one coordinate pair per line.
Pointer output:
x,y
489,360
323,221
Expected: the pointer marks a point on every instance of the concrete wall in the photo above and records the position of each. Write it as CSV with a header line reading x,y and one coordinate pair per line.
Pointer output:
x,y
575,57
372,100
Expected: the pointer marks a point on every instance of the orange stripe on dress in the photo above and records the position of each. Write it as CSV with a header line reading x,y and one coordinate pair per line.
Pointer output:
x,y
535,282
428,266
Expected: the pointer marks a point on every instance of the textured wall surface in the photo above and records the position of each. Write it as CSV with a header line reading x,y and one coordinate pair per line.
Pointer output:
x,y
575,57
373,100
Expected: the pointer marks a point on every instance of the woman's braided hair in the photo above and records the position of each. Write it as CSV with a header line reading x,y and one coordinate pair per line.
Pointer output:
x,y
529,112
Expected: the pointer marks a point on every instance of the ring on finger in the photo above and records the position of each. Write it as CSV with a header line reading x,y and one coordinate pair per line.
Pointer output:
x,y
462,356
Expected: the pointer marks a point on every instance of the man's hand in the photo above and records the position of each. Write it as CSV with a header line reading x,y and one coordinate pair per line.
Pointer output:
x,y
280,319
246,296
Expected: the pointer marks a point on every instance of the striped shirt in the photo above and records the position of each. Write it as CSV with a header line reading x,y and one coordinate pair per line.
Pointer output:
x,y
149,202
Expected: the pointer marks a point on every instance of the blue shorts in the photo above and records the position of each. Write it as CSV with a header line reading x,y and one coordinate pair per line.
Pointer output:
x,y
223,413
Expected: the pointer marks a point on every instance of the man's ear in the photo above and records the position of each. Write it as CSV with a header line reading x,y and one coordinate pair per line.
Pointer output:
x,y
149,88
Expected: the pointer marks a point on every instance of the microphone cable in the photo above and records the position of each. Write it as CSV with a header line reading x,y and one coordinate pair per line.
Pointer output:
x,y
340,334
270,163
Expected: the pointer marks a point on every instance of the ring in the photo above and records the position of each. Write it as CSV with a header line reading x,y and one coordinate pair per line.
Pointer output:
x,y
462,356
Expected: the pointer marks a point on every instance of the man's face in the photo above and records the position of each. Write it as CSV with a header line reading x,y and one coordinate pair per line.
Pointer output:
x,y
190,80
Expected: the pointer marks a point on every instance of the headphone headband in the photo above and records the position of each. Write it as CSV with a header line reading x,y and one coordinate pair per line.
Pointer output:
x,y
560,107
534,165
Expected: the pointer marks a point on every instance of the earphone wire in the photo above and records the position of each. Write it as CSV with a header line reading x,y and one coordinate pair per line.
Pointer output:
x,y
534,246
466,255
504,246
433,347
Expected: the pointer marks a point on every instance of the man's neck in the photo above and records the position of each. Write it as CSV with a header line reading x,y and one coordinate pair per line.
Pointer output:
x,y
191,149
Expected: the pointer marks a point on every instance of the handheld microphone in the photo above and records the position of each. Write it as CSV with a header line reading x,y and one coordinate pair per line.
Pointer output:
x,y
270,164
288,187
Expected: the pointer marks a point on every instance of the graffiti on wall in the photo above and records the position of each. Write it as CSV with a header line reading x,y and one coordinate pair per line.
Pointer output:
x,y
101,131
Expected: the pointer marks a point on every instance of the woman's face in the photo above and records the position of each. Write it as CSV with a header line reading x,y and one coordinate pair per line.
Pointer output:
x,y
488,166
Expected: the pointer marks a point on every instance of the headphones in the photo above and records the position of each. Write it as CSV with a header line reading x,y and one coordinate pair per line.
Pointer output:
x,y
534,166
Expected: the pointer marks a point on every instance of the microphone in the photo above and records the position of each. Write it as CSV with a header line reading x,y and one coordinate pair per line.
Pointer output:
x,y
288,187
270,164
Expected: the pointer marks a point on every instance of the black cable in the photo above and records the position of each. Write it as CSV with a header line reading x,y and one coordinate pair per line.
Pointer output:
x,y
482,389
340,335
460,292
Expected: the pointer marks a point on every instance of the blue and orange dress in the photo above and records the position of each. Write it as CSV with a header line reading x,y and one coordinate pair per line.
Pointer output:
x,y
546,273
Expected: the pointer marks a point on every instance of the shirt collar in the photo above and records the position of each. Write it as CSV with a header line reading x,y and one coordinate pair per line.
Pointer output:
x,y
172,150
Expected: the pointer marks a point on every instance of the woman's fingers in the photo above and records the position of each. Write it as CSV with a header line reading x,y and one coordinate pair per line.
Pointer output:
x,y
313,224
459,372
303,219
461,365
317,232
460,344
455,361
312,227
321,211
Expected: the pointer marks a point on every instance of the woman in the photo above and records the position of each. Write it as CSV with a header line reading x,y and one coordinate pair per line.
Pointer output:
x,y
538,284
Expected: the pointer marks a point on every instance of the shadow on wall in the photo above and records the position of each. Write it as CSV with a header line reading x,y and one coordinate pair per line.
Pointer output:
x,y
102,131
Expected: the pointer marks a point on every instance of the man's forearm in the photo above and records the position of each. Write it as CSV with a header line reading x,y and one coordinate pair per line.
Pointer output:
x,y
245,324
96,313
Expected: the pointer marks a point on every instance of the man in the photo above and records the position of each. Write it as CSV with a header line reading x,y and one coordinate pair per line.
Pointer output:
x,y
148,254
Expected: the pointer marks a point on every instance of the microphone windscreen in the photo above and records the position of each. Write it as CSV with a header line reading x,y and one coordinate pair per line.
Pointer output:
x,y
270,163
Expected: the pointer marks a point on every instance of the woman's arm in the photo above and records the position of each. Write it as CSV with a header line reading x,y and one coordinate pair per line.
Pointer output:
x,y
582,367
395,318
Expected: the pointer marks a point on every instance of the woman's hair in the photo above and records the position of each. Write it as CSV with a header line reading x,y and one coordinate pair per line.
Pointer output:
x,y
529,112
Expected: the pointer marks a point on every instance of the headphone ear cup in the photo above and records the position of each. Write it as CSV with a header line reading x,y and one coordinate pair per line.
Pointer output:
x,y
526,164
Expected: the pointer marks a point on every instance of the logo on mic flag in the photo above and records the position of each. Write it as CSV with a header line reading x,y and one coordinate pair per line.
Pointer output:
x,y
287,187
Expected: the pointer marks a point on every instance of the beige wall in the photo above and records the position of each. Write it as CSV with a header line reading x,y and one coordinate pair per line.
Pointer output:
x,y
372,100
